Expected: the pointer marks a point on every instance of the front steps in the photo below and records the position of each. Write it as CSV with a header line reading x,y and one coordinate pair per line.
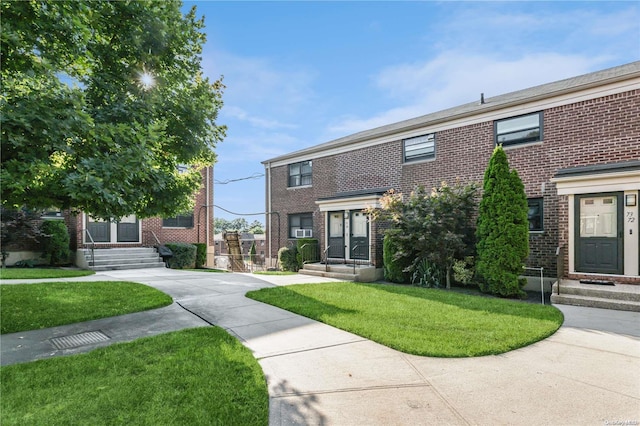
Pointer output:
x,y
363,273
123,258
622,297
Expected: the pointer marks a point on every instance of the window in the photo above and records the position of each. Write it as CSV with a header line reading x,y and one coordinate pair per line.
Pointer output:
x,y
300,221
517,130
180,221
300,174
419,148
535,214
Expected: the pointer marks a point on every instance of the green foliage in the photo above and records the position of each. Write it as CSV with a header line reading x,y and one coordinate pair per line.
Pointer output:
x,y
287,257
222,225
463,270
55,242
256,227
394,268
307,251
201,254
27,263
252,250
427,274
32,273
184,255
17,226
79,130
435,225
502,229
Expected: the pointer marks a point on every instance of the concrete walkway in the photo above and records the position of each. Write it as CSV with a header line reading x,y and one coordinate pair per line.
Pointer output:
x,y
586,373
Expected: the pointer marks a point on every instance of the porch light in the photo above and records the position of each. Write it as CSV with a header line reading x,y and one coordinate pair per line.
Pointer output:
x,y
630,200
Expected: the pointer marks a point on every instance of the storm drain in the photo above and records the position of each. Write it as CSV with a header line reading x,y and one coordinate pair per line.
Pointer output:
x,y
76,340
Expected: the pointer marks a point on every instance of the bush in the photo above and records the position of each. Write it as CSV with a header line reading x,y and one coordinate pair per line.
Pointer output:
x,y
184,255
55,242
393,266
463,270
201,254
308,253
427,274
503,229
287,256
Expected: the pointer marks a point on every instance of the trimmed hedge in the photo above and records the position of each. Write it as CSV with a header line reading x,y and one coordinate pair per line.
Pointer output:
x,y
393,268
287,256
184,255
201,254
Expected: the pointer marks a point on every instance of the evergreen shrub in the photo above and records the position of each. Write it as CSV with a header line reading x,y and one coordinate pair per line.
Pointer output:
x,y
201,254
393,267
184,255
288,259
54,240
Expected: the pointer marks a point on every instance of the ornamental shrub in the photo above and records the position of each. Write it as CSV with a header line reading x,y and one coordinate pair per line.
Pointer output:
x,y
394,267
502,229
288,259
54,241
184,255
201,254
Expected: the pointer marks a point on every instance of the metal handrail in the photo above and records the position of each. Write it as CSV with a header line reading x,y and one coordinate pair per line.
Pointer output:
x,y
302,252
354,260
155,237
93,245
326,259
541,279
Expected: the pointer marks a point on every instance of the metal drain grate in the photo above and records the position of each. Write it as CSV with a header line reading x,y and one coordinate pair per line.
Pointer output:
x,y
76,340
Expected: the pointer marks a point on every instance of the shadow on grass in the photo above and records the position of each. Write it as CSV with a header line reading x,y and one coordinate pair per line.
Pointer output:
x,y
287,299
476,302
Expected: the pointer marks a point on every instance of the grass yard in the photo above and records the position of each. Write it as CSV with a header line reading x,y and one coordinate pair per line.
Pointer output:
x,y
274,273
43,305
419,321
196,376
33,273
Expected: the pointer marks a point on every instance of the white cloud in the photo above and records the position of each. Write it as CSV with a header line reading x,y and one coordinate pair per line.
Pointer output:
x,y
234,112
455,78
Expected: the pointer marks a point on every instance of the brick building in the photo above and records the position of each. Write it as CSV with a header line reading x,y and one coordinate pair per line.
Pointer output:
x,y
575,144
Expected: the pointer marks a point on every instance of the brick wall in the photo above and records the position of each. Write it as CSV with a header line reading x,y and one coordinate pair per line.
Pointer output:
x,y
597,131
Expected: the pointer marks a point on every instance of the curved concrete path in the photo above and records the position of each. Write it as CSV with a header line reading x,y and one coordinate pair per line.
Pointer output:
x,y
586,373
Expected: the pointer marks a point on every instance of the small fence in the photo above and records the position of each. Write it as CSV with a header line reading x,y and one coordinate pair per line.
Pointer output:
x,y
240,263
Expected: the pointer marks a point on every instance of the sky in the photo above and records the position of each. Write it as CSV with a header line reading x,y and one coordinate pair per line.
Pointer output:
x,y
298,74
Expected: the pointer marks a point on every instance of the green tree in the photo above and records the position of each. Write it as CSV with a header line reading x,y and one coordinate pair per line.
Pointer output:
x,y
256,227
436,226
100,104
502,229
220,225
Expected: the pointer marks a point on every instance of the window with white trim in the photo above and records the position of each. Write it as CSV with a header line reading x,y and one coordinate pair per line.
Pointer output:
x,y
301,221
300,173
519,130
419,148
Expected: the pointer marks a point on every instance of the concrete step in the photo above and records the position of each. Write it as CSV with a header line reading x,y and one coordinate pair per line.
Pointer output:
x,y
128,266
133,251
624,297
595,302
123,258
336,275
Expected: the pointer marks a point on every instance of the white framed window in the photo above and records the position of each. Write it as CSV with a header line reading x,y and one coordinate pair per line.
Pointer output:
x,y
300,173
300,222
518,130
419,148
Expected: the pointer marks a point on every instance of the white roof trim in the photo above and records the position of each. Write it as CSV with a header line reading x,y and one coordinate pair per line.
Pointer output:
x,y
351,203
600,182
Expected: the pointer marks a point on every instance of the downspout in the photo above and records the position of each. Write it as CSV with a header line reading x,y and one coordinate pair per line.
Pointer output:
x,y
268,209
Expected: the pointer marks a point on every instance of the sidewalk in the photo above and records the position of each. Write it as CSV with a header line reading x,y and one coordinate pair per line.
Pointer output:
x,y
586,373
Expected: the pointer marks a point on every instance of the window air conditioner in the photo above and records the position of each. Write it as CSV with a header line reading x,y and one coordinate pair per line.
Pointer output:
x,y
304,233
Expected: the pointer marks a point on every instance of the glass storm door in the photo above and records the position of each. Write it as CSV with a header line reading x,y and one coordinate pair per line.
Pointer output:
x,y
128,229
599,242
359,236
99,230
336,235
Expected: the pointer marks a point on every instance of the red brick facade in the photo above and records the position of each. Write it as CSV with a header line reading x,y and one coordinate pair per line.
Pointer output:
x,y
599,130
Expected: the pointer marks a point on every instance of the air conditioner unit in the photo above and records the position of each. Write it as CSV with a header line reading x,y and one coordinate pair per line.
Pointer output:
x,y
304,233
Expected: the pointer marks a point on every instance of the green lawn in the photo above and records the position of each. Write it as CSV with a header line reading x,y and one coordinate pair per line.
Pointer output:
x,y
274,273
419,321
33,273
43,305
196,376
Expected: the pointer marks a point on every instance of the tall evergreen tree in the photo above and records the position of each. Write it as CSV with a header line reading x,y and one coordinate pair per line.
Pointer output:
x,y
502,229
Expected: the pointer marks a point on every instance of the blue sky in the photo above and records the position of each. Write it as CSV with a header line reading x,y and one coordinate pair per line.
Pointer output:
x,y
303,73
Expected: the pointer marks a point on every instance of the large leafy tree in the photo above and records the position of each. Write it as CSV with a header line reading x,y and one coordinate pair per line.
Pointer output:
x,y
435,225
502,229
101,102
